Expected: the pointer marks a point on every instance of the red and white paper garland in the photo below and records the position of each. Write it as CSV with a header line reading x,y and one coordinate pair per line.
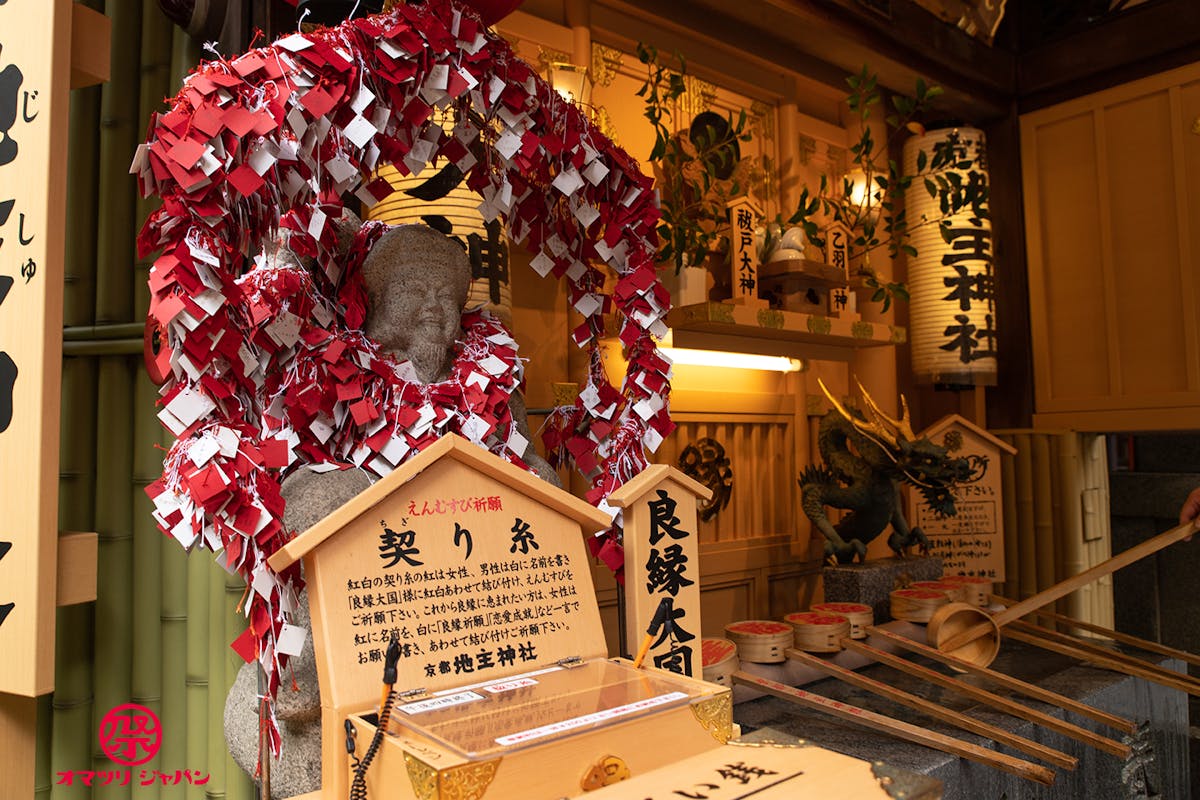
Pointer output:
x,y
269,369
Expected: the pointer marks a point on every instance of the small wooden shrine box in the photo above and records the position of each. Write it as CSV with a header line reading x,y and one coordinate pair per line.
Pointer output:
x,y
481,571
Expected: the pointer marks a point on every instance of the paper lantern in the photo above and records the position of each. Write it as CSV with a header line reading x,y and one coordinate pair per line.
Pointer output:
x,y
490,286
952,315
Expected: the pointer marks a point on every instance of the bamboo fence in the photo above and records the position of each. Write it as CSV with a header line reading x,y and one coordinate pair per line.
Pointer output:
x,y
159,631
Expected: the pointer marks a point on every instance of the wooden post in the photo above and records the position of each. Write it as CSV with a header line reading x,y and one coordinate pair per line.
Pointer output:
x,y
662,557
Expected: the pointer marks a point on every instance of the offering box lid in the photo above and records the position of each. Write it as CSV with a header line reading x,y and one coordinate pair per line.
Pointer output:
x,y
479,568
533,708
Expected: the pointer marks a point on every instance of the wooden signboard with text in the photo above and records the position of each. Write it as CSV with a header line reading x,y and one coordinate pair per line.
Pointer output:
x,y
972,541
662,560
35,64
480,570
744,217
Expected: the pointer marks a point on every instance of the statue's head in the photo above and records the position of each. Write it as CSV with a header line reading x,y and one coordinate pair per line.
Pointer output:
x,y
416,281
918,461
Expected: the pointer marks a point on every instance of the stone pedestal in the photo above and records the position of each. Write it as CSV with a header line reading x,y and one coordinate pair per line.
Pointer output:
x,y
872,582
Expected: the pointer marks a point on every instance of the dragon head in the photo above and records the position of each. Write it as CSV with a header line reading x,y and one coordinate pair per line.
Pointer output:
x,y
919,462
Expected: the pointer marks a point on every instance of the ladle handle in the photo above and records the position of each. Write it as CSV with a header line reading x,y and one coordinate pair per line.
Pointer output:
x,y
1043,598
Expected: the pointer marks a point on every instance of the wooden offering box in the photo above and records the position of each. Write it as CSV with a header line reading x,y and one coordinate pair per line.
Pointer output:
x,y
481,571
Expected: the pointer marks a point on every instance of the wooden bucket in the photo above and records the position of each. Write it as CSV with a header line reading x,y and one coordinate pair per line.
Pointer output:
x,y
975,588
917,605
761,640
955,591
720,660
952,618
818,632
860,616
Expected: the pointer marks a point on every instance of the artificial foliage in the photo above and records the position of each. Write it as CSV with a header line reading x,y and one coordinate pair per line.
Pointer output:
x,y
269,370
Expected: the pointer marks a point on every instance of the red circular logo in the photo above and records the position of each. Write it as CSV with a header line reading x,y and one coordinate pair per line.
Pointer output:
x,y
130,734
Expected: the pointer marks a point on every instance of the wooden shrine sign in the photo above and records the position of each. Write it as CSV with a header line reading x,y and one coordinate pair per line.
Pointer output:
x,y
35,63
662,560
481,571
744,216
972,541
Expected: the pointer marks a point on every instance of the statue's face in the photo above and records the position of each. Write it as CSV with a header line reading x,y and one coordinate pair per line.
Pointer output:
x,y
416,281
404,313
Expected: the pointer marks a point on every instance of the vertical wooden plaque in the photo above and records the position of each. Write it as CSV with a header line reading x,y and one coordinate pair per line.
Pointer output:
x,y
35,55
662,560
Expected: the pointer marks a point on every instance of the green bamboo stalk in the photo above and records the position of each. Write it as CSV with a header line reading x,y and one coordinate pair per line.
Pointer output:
x,y
146,681
120,128
174,580
72,737
79,292
198,583
114,518
185,677
155,85
238,785
215,729
41,769
185,55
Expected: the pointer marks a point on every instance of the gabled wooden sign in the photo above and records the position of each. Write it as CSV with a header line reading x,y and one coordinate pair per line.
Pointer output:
x,y
972,541
662,560
744,216
481,572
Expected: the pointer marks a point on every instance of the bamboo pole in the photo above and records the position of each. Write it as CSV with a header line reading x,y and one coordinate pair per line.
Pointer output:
x,y
1026,546
70,733
1073,559
1008,682
173,615
197,664
1012,563
147,677
238,785
182,647
114,579
994,700
1028,605
41,768
214,730
1109,659
79,274
71,708
878,723
1043,511
119,131
155,85
1108,633
934,711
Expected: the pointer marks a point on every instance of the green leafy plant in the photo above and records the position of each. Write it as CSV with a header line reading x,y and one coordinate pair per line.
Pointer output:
x,y
701,169
876,216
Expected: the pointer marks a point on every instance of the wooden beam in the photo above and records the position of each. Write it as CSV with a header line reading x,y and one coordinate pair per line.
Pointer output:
x,y
91,33
76,568
1143,41
18,738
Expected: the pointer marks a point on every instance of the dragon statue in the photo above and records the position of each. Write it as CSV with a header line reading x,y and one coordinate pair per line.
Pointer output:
x,y
867,458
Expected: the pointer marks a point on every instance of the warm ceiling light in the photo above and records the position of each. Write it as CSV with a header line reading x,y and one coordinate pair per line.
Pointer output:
x,y
722,358
571,81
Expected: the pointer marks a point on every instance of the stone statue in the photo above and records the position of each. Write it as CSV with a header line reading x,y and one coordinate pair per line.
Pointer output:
x,y
417,282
